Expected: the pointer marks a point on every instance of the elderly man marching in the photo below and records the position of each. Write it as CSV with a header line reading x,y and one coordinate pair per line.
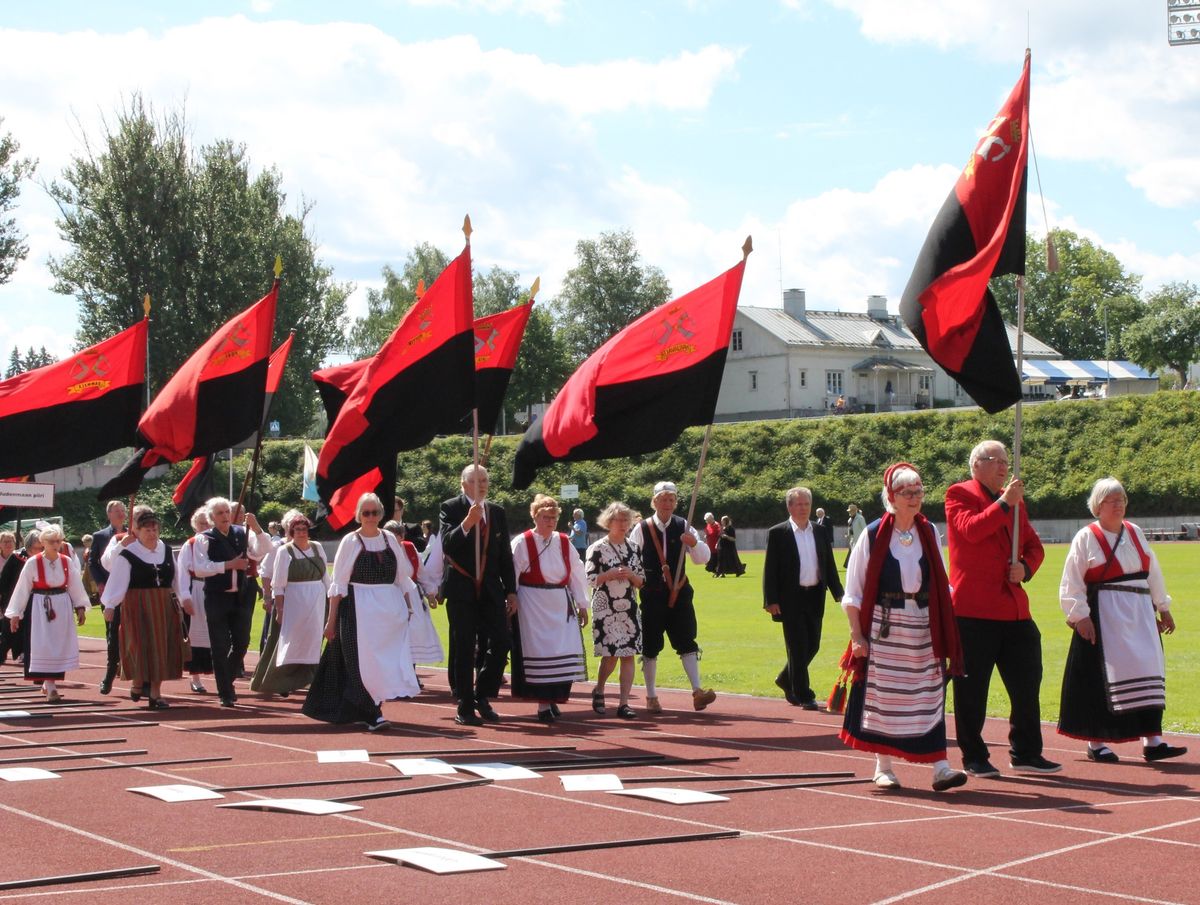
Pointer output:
x,y
992,611
667,600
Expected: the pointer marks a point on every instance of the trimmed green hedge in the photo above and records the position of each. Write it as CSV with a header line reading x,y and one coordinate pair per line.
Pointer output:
x,y
1151,443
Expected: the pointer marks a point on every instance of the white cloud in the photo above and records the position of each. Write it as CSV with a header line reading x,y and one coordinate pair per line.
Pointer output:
x,y
549,10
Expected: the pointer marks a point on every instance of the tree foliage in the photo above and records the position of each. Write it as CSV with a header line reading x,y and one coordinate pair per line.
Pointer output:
x,y
1070,308
143,213
19,364
13,170
607,289
1168,335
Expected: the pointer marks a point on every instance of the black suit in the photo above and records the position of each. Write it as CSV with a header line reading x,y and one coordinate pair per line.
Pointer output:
x,y
476,610
112,629
801,609
825,523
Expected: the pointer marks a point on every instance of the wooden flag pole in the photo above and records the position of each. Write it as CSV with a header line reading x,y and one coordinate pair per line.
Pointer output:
x,y
392,793
615,843
82,878
466,228
9,730
40,758
1016,456
304,783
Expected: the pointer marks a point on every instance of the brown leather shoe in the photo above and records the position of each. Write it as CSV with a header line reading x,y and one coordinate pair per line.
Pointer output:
x,y
652,705
702,697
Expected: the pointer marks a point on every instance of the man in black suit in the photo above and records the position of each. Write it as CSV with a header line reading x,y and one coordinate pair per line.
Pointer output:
x,y
115,510
478,600
825,523
798,570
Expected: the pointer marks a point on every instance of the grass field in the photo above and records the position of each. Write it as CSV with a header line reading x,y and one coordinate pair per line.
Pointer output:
x,y
743,648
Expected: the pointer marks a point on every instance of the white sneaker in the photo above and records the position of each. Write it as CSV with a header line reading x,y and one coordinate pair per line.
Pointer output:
x,y
948,778
886,779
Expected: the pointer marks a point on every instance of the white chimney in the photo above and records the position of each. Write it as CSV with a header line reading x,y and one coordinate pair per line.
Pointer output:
x,y
877,307
793,303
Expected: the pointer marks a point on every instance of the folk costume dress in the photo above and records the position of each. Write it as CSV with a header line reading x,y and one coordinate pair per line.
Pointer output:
x,y
191,588
547,651
423,640
616,620
45,598
293,650
369,661
897,701
143,582
1113,690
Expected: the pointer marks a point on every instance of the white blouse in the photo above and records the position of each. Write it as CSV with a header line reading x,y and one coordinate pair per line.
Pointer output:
x,y
118,574
282,561
910,565
347,553
53,569
258,545
553,567
1085,554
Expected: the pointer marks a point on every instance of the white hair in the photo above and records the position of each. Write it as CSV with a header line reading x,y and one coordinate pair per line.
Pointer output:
x,y
200,517
363,500
797,492
901,478
1102,490
983,449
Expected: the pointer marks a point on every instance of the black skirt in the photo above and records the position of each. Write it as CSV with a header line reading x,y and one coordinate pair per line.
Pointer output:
x,y
337,693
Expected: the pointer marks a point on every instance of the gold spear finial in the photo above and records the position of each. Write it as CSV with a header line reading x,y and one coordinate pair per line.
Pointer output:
x,y
467,228
533,290
146,305
747,247
420,291
278,265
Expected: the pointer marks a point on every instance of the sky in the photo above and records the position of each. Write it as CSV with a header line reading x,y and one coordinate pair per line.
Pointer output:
x,y
829,130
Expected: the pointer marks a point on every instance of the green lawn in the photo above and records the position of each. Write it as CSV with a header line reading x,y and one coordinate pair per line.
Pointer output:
x,y
743,648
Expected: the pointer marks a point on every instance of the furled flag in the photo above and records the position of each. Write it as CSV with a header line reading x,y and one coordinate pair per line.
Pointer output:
x,y
979,233
309,490
214,401
75,410
497,342
638,391
195,487
419,384
334,385
275,365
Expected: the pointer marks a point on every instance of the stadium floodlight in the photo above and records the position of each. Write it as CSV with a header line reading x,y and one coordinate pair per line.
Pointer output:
x,y
1183,22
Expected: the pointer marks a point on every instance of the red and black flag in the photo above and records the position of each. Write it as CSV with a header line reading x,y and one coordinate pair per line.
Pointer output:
x,y
419,384
334,385
380,480
978,234
195,487
74,410
497,342
275,365
638,391
214,401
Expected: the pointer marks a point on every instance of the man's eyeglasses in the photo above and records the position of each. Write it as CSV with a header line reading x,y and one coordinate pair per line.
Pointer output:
x,y
1003,459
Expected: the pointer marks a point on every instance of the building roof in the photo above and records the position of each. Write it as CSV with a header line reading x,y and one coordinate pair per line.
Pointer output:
x,y
855,329
1060,371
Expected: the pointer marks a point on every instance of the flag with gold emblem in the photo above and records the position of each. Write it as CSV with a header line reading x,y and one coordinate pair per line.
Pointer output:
x,y
638,391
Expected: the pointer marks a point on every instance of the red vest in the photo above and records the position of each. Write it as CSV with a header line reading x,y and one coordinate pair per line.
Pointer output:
x,y
40,583
1110,568
533,575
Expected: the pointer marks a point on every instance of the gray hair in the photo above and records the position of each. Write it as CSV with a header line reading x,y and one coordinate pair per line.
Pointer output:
x,y
901,478
50,532
200,517
113,504
796,492
213,502
471,470
615,510
982,450
363,500
1102,490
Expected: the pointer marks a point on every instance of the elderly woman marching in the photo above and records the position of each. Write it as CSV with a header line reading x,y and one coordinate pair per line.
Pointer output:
x,y
299,588
552,607
902,633
615,572
48,589
191,595
143,581
1114,683
367,660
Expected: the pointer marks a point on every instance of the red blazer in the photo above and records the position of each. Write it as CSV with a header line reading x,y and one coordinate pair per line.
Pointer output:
x,y
980,536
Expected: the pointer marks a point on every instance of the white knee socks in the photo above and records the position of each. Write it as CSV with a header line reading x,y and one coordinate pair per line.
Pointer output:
x,y
691,666
650,672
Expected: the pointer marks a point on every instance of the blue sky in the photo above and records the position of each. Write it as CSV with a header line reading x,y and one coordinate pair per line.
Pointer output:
x,y
831,130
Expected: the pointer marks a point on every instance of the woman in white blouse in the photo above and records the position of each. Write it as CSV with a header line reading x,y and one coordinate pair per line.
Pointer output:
x,y
143,581
367,660
1114,683
48,589
299,585
191,595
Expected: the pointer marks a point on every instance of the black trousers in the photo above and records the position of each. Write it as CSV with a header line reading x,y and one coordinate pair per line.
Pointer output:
x,y
10,641
485,620
802,638
1014,648
678,623
112,643
229,615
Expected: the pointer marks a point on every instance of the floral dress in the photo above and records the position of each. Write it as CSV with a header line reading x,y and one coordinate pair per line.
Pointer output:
x,y
616,625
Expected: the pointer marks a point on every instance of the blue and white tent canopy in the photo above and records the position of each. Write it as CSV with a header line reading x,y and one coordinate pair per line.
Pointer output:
x,y
1081,372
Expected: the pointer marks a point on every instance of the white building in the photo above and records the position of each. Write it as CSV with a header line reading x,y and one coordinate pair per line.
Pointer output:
x,y
790,361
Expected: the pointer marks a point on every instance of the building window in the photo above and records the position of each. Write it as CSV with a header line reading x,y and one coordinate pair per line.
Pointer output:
x,y
957,390
925,383
833,383
753,381
735,343
803,378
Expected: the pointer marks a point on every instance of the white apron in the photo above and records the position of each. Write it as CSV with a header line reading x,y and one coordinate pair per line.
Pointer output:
x,y
198,629
551,643
385,662
300,632
423,638
53,643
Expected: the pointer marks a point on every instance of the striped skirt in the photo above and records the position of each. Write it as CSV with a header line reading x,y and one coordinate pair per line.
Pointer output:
x,y
151,636
900,707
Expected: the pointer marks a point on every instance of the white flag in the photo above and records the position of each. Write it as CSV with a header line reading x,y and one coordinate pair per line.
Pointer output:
x,y
310,475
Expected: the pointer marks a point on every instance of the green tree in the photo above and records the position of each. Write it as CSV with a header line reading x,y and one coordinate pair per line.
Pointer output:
x,y
144,213
1168,335
12,171
607,289
14,364
1071,309
386,306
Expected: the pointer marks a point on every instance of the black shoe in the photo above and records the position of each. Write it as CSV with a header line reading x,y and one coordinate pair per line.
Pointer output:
x,y
1162,751
106,685
378,724
135,694
487,711
626,712
228,702
787,693
554,709
810,705
157,704
546,716
598,701
1103,755
1035,764
981,769
466,717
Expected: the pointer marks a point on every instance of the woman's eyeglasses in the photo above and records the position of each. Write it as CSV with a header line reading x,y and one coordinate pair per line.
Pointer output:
x,y
371,513
911,493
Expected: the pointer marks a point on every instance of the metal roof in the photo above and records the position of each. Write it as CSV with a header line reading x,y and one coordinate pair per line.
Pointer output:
x,y
1061,371
857,330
